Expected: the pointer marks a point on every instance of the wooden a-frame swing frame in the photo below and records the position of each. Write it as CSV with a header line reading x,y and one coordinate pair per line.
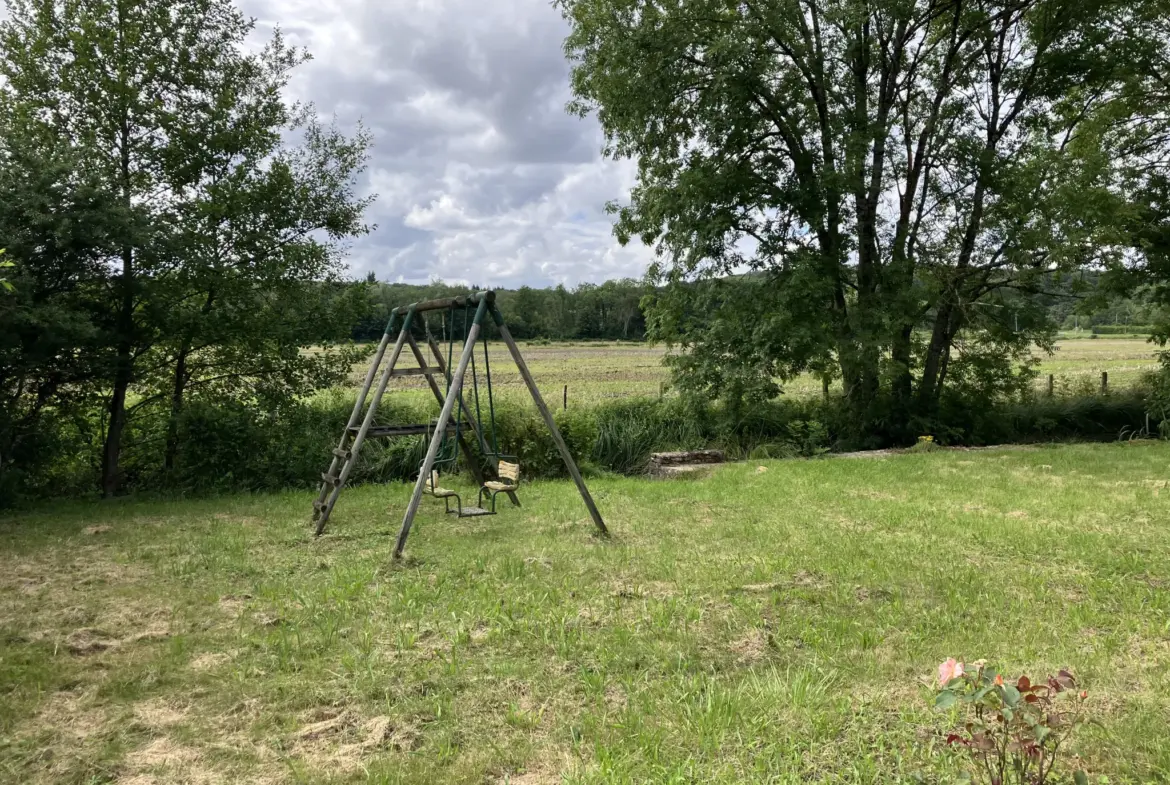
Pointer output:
x,y
355,434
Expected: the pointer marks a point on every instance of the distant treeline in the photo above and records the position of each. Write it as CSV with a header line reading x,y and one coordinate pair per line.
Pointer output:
x,y
609,311
612,311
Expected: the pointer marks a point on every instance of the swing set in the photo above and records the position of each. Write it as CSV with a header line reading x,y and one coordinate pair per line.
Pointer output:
x,y
447,437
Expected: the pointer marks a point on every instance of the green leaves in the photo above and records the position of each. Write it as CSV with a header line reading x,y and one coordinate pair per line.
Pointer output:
x,y
945,700
884,201
1011,696
1017,729
195,251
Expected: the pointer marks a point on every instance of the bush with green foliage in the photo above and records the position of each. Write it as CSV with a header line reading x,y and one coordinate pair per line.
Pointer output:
x,y
235,445
1012,730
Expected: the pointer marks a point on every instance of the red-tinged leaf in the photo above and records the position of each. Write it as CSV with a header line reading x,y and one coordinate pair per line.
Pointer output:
x,y
1023,684
955,738
1031,698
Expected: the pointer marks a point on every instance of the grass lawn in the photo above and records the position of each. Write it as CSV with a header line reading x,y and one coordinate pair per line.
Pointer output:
x,y
757,625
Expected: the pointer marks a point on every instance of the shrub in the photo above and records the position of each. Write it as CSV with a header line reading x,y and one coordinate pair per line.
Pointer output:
x,y
1012,730
627,432
1158,398
234,445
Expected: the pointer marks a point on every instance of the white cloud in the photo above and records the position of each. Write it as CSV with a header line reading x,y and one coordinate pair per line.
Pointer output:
x,y
482,177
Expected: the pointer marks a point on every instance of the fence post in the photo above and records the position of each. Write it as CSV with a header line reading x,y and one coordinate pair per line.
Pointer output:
x,y
566,397
1051,385
1104,382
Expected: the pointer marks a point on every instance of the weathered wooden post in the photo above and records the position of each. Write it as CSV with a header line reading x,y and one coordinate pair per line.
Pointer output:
x,y
1104,382
331,484
453,394
1051,385
549,420
566,398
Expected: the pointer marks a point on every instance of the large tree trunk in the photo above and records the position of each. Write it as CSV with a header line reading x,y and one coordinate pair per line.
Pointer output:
x,y
112,451
903,382
181,378
123,375
124,365
179,387
938,354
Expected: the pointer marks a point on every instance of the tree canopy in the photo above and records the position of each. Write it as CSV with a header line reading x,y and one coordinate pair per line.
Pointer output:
x,y
893,175
175,224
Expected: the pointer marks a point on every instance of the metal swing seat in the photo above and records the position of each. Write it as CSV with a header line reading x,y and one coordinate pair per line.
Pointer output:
x,y
508,471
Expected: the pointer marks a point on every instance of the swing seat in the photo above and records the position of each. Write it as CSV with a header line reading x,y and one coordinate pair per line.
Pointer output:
x,y
431,488
509,481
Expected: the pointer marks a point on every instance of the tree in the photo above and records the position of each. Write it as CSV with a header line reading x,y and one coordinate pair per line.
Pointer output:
x,y
224,231
58,229
888,169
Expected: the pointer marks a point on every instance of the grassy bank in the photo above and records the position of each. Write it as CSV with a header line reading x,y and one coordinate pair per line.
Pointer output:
x,y
758,625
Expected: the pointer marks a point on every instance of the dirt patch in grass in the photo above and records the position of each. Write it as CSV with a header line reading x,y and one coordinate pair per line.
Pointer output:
x,y
342,739
158,714
210,660
234,605
751,648
178,762
548,768
70,713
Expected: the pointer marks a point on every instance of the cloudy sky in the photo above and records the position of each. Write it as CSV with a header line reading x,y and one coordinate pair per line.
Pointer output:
x,y
481,175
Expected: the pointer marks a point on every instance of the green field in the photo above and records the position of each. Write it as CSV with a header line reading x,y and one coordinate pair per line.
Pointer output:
x,y
600,371
772,622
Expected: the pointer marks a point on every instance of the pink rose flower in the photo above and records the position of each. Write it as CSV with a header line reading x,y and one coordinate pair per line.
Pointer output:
x,y
951,669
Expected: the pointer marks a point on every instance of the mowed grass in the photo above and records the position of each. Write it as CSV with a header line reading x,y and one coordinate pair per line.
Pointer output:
x,y
776,624
595,372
